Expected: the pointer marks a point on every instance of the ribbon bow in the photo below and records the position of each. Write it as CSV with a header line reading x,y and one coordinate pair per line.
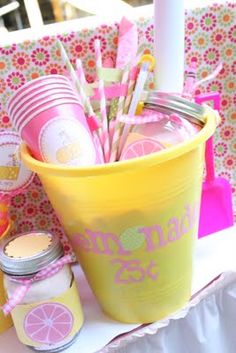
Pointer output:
x,y
191,82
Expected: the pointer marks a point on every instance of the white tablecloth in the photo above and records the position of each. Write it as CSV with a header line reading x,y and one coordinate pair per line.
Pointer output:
x,y
205,325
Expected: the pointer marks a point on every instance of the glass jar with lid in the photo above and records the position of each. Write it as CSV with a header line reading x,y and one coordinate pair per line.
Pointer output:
x,y
42,296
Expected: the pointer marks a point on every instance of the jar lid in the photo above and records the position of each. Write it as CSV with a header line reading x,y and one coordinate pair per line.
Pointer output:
x,y
28,253
167,103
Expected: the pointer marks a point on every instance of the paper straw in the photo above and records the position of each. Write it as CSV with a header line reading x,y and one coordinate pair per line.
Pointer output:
x,y
190,80
78,84
105,135
111,129
142,77
82,79
114,102
131,86
98,145
209,77
118,126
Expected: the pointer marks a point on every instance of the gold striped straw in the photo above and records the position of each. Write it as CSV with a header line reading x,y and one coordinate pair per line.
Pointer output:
x,y
118,125
131,86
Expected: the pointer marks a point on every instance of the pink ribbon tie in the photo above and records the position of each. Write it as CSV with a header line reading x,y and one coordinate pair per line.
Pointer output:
x,y
21,291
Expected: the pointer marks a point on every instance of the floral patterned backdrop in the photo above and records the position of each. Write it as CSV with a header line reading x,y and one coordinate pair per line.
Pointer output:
x,y
210,39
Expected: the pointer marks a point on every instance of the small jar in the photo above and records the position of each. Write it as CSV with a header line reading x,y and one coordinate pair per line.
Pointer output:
x,y
49,316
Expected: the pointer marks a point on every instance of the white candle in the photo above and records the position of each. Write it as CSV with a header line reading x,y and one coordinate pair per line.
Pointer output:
x,y
169,45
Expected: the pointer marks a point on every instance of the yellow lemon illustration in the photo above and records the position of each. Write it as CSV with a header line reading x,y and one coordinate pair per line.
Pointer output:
x,y
67,153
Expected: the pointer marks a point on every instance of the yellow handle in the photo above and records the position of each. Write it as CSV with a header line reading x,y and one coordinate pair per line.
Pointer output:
x,y
150,59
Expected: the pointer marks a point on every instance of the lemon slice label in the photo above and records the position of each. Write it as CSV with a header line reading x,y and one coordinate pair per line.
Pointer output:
x,y
50,324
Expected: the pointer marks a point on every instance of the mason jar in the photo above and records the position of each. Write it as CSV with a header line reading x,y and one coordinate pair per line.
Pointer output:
x,y
42,296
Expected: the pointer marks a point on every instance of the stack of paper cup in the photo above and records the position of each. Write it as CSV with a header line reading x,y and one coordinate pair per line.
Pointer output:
x,y
48,115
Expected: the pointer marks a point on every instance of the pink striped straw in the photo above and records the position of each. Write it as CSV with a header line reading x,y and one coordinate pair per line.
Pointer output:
x,y
105,134
88,107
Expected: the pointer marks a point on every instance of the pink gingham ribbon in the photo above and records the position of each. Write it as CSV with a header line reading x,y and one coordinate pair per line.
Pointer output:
x,y
21,291
139,120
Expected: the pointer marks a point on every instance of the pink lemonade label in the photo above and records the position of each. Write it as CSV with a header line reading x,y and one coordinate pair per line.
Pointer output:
x,y
66,141
122,247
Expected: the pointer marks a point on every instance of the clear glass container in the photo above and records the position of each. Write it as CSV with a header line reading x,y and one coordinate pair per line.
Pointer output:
x,y
49,316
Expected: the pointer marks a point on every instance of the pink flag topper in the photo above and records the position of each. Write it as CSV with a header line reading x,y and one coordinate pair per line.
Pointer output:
x,y
108,63
127,43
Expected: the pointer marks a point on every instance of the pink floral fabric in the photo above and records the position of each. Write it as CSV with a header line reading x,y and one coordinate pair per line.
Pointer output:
x,y
210,39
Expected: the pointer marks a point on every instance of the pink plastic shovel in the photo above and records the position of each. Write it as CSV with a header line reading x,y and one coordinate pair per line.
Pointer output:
x,y
216,212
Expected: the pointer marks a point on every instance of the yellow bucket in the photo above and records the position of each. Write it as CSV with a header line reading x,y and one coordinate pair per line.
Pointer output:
x,y
132,225
5,321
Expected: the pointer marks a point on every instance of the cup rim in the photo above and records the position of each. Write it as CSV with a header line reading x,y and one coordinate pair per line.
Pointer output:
x,y
22,112
20,117
41,88
34,97
41,110
32,83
